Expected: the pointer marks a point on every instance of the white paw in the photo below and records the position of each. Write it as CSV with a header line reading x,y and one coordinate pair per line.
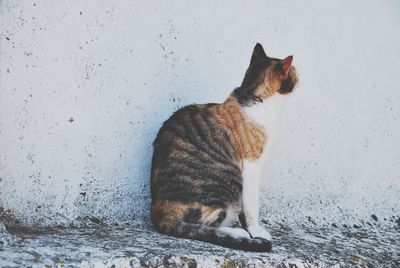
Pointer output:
x,y
259,231
234,232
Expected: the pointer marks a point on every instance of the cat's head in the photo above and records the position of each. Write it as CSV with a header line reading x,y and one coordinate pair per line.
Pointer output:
x,y
266,77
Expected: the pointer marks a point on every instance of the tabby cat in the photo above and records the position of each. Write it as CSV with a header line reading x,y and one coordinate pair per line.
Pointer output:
x,y
208,160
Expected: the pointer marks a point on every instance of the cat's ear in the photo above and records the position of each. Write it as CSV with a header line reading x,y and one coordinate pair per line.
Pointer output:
x,y
285,63
258,54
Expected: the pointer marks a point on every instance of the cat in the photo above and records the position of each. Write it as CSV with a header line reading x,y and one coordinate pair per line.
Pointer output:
x,y
207,160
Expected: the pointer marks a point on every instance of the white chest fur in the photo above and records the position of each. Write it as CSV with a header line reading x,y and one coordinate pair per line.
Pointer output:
x,y
268,115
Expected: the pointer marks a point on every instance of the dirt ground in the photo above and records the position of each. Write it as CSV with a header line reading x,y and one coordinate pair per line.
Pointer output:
x,y
134,246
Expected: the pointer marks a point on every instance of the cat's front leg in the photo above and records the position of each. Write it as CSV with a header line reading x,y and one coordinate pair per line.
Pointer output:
x,y
250,199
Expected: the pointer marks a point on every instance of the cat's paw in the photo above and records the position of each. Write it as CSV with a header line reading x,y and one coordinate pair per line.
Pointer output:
x,y
259,231
233,232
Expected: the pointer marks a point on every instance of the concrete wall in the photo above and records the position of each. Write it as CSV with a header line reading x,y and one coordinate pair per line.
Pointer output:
x,y
85,86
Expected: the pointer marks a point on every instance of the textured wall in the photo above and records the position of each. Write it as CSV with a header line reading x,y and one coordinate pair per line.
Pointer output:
x,y
85,85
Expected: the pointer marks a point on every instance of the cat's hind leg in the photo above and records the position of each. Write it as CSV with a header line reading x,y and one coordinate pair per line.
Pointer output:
x,y
182,220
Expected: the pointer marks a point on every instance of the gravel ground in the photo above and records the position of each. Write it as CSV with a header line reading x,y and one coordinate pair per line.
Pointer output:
x,y
99,245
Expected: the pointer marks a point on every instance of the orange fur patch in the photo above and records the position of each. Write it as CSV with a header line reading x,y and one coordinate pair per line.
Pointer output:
x,y
175,211
247,137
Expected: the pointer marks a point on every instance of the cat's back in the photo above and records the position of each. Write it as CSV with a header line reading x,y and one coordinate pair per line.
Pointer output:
x,y
192,150
194,125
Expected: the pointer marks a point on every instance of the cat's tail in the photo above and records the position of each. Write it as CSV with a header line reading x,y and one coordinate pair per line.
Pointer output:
x,y
236,238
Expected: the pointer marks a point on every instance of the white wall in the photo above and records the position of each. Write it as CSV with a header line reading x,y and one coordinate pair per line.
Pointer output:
x,y
120,68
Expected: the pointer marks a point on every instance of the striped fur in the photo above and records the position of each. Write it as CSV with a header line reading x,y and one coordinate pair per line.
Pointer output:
x,y
199,152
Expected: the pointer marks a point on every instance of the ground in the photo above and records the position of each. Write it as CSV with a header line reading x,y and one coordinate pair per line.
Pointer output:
x,y
99,245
